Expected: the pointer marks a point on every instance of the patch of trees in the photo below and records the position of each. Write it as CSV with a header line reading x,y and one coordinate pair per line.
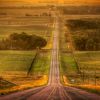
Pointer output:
x,y
85,34
83,24
89,41
22,41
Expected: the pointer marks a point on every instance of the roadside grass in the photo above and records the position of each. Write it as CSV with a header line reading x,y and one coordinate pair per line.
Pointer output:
x,y
68,64
87,87
15,65
90,88
68,67
49,43
27,85
88,62
41,66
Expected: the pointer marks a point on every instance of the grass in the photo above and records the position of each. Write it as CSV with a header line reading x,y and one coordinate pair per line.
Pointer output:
x,y
68,64
41,65
15,60
30,84
68,67
87,87
15,65
88,62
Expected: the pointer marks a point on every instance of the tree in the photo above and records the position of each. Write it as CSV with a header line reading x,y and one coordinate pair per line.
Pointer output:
x,y
23,41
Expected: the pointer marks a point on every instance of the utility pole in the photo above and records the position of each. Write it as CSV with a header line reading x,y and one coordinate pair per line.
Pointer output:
x,y
83,76
95,77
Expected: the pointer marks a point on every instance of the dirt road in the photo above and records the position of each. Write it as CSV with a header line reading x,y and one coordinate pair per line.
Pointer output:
x,y
54,90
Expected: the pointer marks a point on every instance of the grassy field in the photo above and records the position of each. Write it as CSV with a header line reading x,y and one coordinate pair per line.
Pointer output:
x,y
80,68
14,66
17,63
88,65
15,60
22,11
29,20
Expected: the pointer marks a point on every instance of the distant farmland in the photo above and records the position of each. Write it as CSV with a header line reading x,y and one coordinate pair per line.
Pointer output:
x,y
81,66
15,64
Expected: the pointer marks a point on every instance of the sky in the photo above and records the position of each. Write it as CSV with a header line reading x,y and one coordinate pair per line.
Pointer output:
x,y
32,2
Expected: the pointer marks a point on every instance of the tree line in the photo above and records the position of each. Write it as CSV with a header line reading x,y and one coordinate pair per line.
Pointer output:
x,y
85,34
88,42
22,41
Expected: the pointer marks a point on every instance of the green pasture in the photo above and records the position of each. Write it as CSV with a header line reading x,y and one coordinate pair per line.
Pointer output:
x,y
88,63
16,60
21,61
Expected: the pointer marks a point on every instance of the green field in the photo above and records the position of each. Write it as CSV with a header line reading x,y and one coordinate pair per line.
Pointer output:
x,y
78,64
14,65
89,67
16,60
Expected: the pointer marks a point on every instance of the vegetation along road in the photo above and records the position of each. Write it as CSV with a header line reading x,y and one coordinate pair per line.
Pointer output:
x,y
54,89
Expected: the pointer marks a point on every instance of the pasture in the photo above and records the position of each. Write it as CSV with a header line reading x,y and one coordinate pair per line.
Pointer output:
x,y
15,64
80,66
89,67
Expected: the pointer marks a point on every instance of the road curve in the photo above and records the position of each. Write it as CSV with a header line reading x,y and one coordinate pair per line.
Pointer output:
x,y
54,90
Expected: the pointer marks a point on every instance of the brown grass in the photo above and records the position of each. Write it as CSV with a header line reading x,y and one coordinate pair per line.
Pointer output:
x,y
88,87
29,84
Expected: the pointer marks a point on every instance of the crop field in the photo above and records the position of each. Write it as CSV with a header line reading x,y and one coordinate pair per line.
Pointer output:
x,y
15,65
89,67
15,60
28,20
23,67
28,29
24,10
81,67
17,68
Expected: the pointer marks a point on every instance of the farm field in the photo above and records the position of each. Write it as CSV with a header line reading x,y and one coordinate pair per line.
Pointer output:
x,y
88,67
36,42
15,65
18,71
28,20
81,67
14,68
